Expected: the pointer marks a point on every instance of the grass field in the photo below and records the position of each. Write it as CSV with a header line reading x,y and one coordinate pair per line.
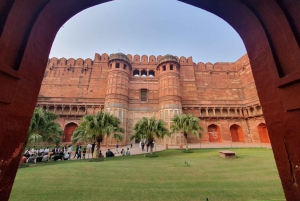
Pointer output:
x,y
251,176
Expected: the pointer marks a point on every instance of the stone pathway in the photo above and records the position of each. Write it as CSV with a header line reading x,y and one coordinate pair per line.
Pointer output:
x,y
159,147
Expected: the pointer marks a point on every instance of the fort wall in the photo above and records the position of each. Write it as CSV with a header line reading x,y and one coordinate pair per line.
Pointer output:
x,y
222,94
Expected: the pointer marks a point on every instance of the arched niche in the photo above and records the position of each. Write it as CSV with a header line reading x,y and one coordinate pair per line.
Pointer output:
x,y
214,133
68,131
263,133
236,132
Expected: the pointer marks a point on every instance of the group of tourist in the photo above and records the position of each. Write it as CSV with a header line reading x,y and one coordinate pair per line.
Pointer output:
x,y
64,153
148,144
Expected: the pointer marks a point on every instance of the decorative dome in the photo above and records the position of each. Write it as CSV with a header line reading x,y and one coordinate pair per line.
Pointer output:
x,y
168,57
120,56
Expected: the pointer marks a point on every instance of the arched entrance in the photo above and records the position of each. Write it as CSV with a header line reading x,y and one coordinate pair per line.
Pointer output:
x,y
68,131
263,133
270,31
214,133
236,132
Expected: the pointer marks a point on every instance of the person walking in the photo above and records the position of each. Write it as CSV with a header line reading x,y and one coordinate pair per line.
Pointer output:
x,y
147,146
143,146
83,152
79,152
117,146
76,152
93,148
131,144
70,151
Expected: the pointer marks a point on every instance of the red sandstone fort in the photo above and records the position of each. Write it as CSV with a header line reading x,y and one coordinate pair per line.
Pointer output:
x,y
223,95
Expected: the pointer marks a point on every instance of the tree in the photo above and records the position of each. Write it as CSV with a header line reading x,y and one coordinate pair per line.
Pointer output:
x,y
149,129
97,127
43,127
188,124
80,133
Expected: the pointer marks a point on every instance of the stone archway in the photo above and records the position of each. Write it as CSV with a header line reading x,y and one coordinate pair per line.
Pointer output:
x,y
270,30
214,133
236,132
68,131
263,133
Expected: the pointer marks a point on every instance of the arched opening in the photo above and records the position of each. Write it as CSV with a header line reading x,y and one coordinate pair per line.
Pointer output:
x,y
27,34
263,133
237,134
214,133
151,73
68,131
136,73
144,73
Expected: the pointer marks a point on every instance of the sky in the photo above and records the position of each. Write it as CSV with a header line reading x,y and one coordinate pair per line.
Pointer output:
x,y
150,27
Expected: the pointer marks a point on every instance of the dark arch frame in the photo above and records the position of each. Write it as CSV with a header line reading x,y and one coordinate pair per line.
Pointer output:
x,y
270,30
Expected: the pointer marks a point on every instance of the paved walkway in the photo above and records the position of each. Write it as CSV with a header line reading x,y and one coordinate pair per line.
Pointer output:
x,y
159,147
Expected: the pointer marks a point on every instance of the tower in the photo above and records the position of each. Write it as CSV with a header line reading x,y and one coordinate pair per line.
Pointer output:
x,y
116,99
169,93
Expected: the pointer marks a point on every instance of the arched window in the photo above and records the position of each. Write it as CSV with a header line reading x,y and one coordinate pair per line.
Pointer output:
x,y
151,73
144,73
136,73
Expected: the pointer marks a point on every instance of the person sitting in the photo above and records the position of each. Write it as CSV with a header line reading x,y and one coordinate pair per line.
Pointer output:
x,y
123,152
101,155
27,153
66,157
127,152
60,156
53,153
31,159
46,151
39,158
45,158
109,153
24,159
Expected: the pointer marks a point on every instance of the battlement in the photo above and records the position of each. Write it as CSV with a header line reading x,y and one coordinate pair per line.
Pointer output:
x,y
144,59
71,62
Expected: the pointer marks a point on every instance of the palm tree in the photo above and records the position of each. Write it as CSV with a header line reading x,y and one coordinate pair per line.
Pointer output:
x,y
149,129
43,127
80,133
98,126
188,124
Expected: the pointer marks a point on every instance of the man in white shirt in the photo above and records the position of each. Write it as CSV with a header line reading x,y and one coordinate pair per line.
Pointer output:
x,y
42,150
46,151
70,151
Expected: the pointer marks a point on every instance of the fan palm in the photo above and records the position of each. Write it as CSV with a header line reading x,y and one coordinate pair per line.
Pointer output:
x,y
188,124
149,129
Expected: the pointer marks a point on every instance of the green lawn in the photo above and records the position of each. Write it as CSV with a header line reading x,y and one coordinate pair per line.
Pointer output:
x,y
251,176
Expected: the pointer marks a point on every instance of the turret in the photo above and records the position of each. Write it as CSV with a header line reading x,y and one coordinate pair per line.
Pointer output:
x,y
169,89
116,99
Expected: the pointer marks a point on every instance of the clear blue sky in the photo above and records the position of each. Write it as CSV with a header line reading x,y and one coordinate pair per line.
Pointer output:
x,y
150,27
